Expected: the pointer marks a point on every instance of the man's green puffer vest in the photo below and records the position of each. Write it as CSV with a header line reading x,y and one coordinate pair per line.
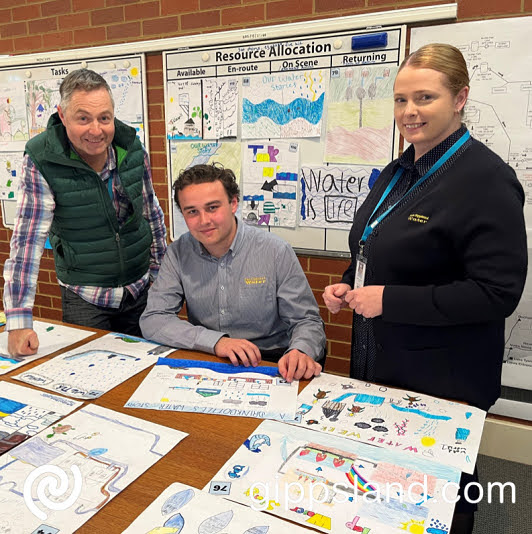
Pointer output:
x,y
89,246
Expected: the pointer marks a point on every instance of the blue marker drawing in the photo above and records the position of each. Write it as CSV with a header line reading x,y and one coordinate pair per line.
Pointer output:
x,y
421,412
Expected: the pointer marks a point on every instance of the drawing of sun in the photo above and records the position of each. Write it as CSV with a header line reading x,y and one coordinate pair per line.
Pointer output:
x,y
428,441
413,526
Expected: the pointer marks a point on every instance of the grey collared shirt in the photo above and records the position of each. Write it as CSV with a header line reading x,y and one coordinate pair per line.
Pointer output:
x,y
256,291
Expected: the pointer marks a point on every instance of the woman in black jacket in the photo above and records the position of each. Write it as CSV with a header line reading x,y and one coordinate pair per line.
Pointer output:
x,y
438,250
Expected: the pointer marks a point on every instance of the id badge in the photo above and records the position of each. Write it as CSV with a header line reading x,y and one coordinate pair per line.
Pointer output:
x,y
360,272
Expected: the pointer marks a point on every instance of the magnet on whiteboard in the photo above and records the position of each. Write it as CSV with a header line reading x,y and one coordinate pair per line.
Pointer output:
x,y
112,66
205,56
127,64
373,40
28,74
84,64
337,44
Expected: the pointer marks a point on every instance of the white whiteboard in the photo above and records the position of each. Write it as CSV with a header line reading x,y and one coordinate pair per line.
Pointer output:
x,y
304,122
29,94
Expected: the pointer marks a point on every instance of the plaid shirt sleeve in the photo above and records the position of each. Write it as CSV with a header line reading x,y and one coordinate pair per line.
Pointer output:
x,y
154,215
34,215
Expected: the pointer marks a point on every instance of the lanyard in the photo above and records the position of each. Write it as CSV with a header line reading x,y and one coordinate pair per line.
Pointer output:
x,y
370,227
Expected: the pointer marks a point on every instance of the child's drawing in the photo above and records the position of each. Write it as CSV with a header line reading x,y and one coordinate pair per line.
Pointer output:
x,y
184,113
204,387
283,104
95,368
360,115
13,122
42,99
10,170
416,424
24,412
337,485
331,196
186,510
220,108
52,337
270,171
99,452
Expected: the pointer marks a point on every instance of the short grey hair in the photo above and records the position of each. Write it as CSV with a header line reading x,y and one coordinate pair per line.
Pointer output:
x,y
82,80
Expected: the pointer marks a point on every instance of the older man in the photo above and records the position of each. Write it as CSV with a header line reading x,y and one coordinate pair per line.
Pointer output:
x,y
86,183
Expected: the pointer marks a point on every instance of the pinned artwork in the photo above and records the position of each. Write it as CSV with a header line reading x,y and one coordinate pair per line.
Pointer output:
x,y
220,108
186,510
270,171
337,485
52,337
10,169
24,412
413,423
95,368
216,388
283,104
184,110
331,196
95,453
360,115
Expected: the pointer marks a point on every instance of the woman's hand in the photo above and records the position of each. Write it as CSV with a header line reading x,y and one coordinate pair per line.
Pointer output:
x,y
366,301
334,297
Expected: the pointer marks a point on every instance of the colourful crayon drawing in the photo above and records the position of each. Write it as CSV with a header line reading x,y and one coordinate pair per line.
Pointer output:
x,y
360,115
286,104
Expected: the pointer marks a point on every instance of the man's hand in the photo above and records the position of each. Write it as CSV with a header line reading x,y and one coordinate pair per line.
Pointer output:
x,y
295,365
366,301
238,349
23,342
334,297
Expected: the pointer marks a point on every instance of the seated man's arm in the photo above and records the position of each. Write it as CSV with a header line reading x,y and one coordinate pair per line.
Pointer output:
x,y
299,309
33,219
160,322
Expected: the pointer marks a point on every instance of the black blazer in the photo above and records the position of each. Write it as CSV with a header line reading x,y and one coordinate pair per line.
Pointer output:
x,y
453,260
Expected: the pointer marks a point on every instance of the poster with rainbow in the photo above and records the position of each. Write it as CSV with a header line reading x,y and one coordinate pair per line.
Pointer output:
x,y
338,485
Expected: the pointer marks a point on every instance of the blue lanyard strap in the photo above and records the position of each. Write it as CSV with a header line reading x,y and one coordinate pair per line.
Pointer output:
x,y
370,227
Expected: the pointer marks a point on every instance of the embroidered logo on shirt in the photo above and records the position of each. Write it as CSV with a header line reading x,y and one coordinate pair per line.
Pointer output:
x,y
415,217
255,280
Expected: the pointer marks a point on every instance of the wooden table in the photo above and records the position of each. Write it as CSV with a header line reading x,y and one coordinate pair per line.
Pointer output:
x,y
212,440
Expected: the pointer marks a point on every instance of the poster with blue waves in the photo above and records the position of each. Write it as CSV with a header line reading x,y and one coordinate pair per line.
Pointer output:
x,y
284,104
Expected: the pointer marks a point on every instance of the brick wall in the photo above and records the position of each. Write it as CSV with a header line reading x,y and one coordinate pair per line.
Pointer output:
x,y
35,26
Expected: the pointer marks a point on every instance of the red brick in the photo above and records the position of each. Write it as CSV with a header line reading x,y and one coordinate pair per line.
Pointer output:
x,y
33,43
157,128
123,31
288,8
4,247
77,20
57,7
340,349
344,317
211,4
204,19
337,366
338,333
47,264
102,17
154,62
160,26
4,235
6,3
241,15
155,78
158,144
90,36
155,112
318,281
48,313
41,300
335,5
324,313
483,8
53,41
25,12
48,289
43,25
172,7
110,3
84,5
528,6
158,160
14,29
161,190
149,10
56,303
328,266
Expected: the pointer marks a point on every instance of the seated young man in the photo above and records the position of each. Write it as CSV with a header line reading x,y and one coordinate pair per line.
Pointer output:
x,y
247,296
